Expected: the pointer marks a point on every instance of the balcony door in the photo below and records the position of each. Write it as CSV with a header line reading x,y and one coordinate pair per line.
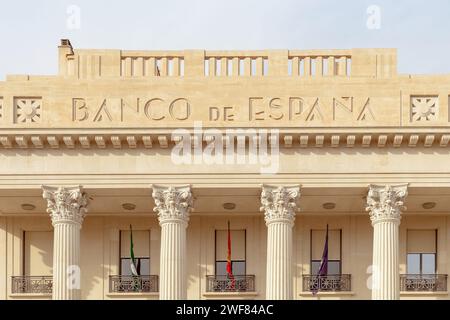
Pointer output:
x,y
421,263
421,252
220,281
238,252
334,251
37,253
141,248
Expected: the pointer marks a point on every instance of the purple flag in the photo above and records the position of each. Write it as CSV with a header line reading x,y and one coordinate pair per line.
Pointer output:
x,y
323,270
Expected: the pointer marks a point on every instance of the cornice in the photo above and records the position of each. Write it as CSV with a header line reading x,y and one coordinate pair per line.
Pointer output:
x,y
162,139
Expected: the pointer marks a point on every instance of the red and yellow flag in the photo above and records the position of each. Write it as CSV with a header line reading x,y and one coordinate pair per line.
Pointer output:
x,y
229,268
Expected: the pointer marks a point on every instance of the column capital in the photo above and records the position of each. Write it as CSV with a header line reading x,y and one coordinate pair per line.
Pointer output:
x,y
385,202
172,203
65,204
279,203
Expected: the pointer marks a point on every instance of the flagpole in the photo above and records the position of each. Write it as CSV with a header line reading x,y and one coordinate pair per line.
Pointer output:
x,y
229,266
133,267
323,269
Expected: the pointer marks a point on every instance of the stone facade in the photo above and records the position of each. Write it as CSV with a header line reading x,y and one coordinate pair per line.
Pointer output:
x,y
279,143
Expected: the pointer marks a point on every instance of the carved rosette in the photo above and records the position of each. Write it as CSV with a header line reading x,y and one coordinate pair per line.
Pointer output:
x,y
386,202
65,204
279,203
172,203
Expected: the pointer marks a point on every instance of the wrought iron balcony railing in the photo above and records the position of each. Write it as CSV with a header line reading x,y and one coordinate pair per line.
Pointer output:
x,y
225,284
32,284
134,283
423,282
329,283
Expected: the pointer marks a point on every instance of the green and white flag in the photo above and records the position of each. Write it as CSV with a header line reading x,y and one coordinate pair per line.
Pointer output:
x,y
134,268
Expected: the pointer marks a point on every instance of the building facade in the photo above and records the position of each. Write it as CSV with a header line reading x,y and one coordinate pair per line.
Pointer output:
x,y
177,145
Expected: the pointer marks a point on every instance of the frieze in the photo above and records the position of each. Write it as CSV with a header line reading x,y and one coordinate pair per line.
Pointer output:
x,y
241,111
181,109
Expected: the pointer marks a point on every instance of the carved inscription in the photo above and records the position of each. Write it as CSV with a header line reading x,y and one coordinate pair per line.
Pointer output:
x,y
312,109
221,113
109,110
344,108
283,109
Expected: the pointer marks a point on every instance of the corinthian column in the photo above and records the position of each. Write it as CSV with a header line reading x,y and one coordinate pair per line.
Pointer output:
x,y
67,207
173,205
279,206
385,204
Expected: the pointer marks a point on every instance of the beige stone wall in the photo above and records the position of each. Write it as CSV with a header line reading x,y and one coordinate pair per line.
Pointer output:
x,y
100,252
343,118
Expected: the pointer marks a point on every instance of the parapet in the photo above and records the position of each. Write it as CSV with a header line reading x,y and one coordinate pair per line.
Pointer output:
x,y
92,64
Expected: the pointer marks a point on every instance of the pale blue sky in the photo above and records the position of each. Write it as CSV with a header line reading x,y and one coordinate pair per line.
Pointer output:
x,y
30,30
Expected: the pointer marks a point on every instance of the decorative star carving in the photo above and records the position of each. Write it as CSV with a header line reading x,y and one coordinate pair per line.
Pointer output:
x,y
28,109
424,108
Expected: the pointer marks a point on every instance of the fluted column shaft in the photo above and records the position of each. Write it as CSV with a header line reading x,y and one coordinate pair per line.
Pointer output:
x,y
279,261
67,207
66,261
173,205
385,204
279,205
386,274
173,260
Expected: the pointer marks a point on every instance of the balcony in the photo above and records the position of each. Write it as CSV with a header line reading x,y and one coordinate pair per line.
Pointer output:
x,y
225,284
423,282
328,283
32,284
123,284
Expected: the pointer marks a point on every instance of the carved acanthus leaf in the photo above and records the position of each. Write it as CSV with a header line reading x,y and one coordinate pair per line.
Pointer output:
x,y
279,203
65,204
172,202
386,202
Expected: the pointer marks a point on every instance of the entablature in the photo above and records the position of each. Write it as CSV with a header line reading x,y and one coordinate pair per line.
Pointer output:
x,y
304,98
